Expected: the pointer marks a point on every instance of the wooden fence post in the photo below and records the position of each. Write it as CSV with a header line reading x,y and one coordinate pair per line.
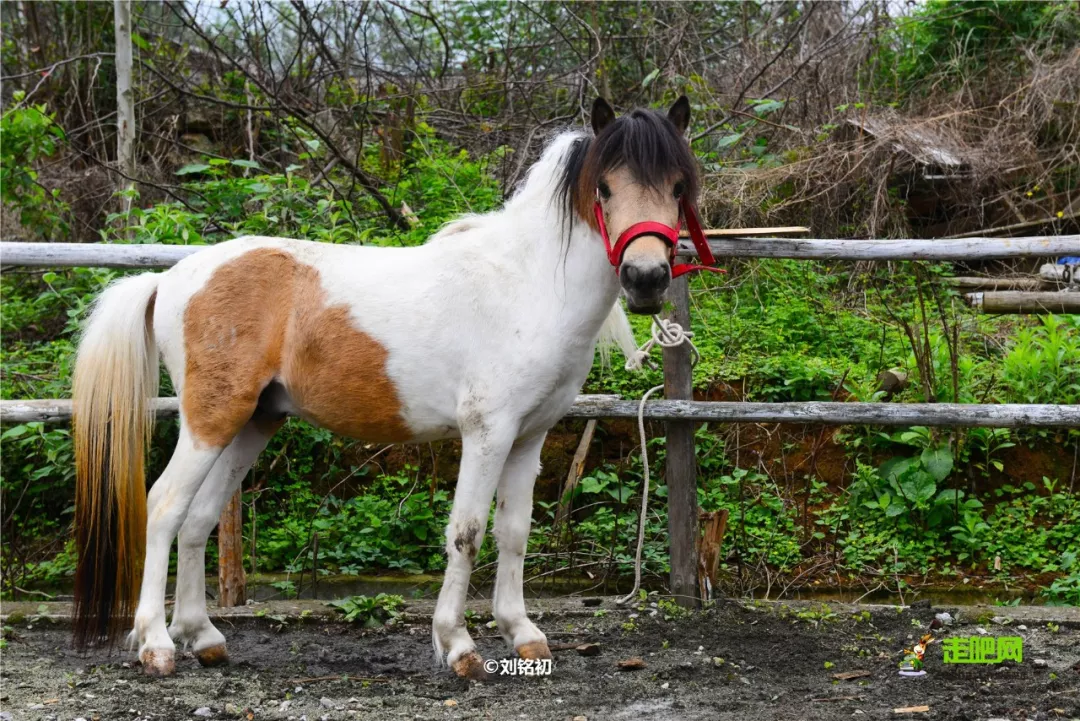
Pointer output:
x,y
232,583
681,460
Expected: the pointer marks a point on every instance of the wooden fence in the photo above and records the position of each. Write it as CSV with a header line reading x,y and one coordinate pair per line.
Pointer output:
x,y
678,410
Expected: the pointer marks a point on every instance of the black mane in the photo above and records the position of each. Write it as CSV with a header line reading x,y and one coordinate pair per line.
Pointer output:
x,y
645,142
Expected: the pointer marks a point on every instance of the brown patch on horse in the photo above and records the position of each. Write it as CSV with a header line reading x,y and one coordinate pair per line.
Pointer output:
x,y
263,316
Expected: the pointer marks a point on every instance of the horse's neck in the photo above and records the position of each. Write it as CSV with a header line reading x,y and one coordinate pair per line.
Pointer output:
x,y
575,277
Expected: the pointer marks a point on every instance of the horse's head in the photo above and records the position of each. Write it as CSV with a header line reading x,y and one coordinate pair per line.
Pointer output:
x,y
636,178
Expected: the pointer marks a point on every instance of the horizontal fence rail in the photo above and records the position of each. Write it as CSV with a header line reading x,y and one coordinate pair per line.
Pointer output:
x,y
940,249
108,255
605,406
1015,301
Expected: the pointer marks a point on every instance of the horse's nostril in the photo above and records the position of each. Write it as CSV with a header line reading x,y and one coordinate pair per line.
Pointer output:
x,y
649,278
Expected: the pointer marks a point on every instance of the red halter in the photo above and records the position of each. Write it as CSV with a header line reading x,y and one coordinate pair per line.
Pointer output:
x,y
666,233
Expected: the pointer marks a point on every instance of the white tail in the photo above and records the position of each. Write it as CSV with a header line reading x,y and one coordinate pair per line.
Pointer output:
x,y
116,375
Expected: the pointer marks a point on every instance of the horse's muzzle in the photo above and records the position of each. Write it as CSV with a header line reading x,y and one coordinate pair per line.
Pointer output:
x,y
644,285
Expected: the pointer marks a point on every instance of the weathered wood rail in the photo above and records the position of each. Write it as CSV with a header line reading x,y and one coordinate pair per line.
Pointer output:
x,y
1005,415
1009,301
990,284
102,255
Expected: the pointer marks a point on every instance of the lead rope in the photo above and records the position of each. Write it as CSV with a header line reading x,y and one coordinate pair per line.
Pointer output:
x,y
666,334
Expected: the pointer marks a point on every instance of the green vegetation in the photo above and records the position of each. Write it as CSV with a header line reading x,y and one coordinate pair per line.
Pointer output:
x,y
370,611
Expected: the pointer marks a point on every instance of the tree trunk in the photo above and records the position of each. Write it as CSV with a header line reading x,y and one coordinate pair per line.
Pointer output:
x,y
125,101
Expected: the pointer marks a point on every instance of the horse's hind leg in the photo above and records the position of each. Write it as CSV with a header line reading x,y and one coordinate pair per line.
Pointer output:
x,y
167,506
484,450
512,519
190,622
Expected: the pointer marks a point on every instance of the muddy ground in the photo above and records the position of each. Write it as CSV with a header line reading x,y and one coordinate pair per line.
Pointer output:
x,y
739,660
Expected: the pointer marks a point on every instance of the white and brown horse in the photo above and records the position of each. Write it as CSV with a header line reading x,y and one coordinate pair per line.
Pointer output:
x,y
486,333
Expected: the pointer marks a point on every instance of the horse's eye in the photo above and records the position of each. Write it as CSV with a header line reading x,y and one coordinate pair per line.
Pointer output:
x,y
679,189
605,191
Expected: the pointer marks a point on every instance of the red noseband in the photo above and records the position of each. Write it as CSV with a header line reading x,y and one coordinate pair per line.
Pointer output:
x,y
666,233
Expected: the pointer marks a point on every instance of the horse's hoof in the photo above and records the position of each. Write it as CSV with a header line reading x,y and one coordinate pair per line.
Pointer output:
x,y
158,662
215,655
534,650
470,666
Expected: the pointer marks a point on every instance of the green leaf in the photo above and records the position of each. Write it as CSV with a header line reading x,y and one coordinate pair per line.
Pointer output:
x,y
938,461
15,432
764,107
193,168
895,510
949,496
729,140
918,487
140,41
247,164
893,468
648,79
590,484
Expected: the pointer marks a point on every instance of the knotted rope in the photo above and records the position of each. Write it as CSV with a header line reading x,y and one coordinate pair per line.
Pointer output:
x,y
666,334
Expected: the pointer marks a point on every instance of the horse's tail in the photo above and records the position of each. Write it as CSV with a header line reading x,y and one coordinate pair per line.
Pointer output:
x,y
116,375
617,332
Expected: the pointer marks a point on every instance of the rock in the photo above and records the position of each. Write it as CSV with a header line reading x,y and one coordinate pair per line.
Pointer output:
x,y
35,706
588,649
449,702
203,711
632,664
945,618
980,630
717,661
1001,620
326,703
1021,627
285,705
1040,663
6,716
581,717
665,685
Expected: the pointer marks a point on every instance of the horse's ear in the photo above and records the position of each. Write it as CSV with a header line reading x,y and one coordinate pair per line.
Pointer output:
x,y
679,114
602,115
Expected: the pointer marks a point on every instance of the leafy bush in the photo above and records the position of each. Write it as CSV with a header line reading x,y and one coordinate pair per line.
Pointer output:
x,y
371,611
27,134
1042,364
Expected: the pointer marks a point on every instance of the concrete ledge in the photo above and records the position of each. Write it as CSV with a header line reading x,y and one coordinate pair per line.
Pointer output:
x,y
420,610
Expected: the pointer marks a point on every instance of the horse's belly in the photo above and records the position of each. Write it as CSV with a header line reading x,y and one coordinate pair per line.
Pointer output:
x,y
336,377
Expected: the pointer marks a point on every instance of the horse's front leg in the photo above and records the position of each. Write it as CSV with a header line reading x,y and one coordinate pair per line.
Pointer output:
x,y
485,446
513,516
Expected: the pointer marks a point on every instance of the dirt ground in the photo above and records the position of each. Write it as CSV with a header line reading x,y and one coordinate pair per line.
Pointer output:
x,y
739,660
